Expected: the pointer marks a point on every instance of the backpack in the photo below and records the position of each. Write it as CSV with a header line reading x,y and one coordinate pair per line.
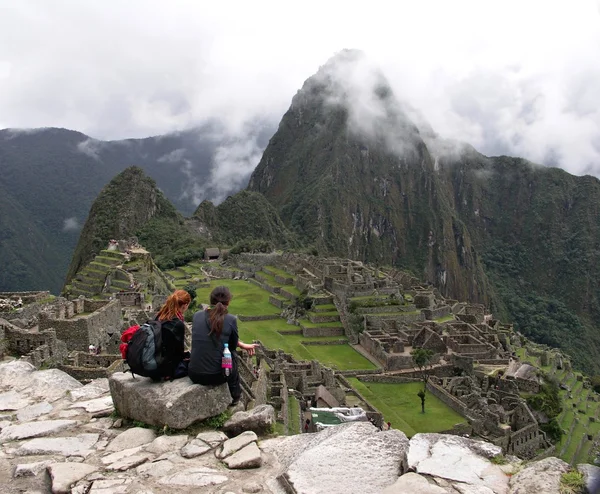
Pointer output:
x,y
145,351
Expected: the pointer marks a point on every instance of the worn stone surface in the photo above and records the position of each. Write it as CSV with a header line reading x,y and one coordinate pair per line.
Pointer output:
x,y
194,448
31,469
67,446
539,476
119,455
252,488
52,384
591,474
34,411
458,459
34,429
232,445
164,444
110,486
95,405
350,458
128,462
94,389
259,420
136,436
247,457
212,438
156,469
11,400
413,483
177,404
63,475
195,477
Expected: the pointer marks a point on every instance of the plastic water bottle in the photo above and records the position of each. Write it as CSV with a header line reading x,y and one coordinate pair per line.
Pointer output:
x,y
226,362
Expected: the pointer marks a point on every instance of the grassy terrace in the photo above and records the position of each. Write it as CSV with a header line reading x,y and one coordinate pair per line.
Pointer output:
x,y
248,298
341,357
401,406
270,280
278,271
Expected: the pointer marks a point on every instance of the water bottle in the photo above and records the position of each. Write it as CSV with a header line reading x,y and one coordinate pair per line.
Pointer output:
x,y
226,363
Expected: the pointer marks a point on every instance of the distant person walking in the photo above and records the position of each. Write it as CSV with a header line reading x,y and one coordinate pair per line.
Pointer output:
x,y
211,329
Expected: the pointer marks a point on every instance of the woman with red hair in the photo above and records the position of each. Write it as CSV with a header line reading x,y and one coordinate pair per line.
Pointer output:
x,y
173,332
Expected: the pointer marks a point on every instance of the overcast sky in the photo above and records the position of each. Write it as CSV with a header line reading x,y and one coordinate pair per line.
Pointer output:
x,y
519,78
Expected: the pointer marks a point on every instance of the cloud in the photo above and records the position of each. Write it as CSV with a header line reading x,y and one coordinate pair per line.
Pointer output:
x,y
508,77
71,224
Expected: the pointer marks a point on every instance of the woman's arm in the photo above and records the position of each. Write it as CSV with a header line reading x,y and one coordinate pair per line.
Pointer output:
x,y
249,347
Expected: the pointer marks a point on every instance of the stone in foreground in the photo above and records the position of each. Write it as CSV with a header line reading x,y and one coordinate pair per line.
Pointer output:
x,y
235,444
67,446
247,457
177,404
34,429
459,459
413,483
136,436
354,458
64,475
591,475
195,477
259,420
539,476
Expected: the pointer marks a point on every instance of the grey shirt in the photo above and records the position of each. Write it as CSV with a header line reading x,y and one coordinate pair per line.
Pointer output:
x,y
207,350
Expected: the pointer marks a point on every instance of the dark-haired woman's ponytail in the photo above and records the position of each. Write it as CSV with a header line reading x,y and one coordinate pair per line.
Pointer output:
x,y
217,317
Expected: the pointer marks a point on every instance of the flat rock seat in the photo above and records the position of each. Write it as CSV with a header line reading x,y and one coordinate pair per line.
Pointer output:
x,y
177,404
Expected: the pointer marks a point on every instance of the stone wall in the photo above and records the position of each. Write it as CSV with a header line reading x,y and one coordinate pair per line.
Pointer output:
x,y
525,442
388,379
309,332
453,402
102,327
26,297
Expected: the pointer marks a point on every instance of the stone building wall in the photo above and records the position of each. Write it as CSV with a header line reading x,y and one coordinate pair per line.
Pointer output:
x,y
102,327
525,442
453,402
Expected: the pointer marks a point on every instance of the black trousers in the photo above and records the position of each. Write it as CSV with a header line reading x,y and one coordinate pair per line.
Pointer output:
x,y
233,381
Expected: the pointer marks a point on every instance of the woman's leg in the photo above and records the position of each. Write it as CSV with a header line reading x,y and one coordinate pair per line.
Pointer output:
x,y
233,382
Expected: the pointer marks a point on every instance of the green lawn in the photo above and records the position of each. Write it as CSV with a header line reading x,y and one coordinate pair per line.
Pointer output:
x,y
307,324
279,272
293,416
341,357
248,298
401,406
445,318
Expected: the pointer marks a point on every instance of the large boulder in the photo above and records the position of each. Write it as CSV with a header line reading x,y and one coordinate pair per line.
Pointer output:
x,y
177,404
259,420
539,476
458,459
351,458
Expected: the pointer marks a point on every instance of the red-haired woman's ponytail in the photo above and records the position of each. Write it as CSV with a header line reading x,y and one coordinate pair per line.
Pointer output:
x,y
173,306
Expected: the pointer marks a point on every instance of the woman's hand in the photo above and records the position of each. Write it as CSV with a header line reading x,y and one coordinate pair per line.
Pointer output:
x,y
249,347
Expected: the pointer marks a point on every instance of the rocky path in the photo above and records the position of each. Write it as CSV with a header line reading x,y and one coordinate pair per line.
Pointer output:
x,y
59,436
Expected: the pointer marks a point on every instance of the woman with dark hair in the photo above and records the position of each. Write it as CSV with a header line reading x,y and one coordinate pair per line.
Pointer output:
x,y
211,330
173,332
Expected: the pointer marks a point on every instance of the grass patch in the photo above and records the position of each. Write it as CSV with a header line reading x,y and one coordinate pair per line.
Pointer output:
x,y
499,460
401,406
341,357
293,416
307,324
572,482
248,299
447,318
279,272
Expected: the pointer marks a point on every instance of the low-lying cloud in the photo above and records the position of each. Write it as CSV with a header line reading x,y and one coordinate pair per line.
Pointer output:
x,y
510,77
71,224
